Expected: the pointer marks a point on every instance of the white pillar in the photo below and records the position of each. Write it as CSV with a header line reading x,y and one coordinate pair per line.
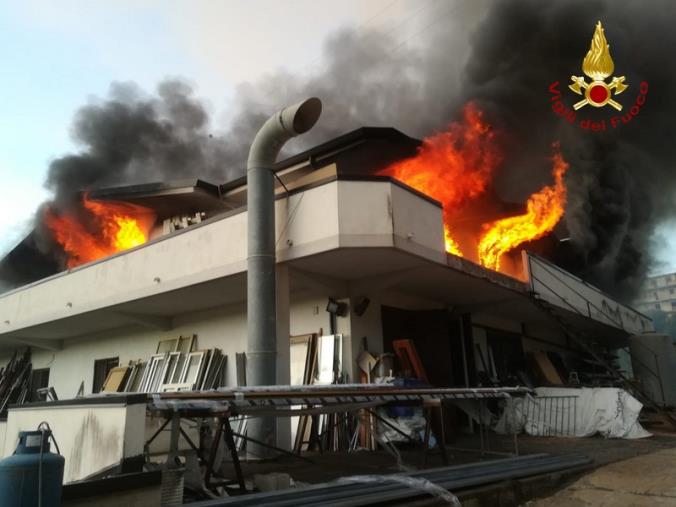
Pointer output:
x,y
283,349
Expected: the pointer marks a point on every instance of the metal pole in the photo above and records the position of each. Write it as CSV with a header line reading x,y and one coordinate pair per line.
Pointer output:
x,y
261,284
659,378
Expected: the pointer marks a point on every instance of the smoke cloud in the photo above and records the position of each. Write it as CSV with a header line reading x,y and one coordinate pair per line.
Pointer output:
x,y
504,55
622,182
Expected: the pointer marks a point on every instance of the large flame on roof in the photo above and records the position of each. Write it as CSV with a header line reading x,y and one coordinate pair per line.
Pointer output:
x,y
456,167
453,167
100,229
544,210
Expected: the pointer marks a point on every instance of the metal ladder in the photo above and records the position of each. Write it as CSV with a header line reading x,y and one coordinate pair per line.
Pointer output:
x,y
584,343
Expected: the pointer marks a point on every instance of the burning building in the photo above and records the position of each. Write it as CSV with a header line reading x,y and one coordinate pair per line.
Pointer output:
x,y
128,285
403,238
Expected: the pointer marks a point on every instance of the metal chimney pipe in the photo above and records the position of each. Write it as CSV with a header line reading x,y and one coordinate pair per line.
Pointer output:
x,y
261,308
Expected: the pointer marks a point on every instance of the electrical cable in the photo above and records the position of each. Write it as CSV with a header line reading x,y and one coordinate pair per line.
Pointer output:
x,y
391,29
425,28
290,218
43,428
42,443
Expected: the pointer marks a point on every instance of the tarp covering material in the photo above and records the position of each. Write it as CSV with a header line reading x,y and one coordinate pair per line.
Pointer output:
x,y
581,412
411,426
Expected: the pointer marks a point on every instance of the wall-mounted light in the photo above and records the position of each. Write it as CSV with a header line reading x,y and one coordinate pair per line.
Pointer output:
x,y
336,308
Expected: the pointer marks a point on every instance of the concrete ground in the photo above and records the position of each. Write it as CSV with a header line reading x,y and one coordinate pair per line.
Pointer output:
x,y
642,481
329,466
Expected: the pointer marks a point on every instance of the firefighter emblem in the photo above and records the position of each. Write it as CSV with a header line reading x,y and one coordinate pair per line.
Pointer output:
x,y
598,65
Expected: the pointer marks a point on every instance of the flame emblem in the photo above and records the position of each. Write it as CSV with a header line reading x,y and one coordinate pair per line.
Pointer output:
x,y
598,65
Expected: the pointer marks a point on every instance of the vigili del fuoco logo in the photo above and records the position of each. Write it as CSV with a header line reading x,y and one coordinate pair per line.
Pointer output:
x,y
597,65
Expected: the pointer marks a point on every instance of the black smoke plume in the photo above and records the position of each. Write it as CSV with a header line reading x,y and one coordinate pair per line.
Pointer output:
x,y
622,182
504,55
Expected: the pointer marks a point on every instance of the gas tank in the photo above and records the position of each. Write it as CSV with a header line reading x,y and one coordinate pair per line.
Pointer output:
x,y
32,470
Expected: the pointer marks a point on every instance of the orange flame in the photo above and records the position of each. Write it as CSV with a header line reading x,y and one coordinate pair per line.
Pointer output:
x,y
544,210
452,167
111,227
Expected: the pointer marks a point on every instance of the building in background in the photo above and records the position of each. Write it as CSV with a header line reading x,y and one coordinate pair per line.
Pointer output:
x,y
658,293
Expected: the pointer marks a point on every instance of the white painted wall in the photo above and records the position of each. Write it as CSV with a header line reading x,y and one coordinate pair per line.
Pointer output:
x,y
336,214
223,327
3,433
205,252
308,313
90,437
417,225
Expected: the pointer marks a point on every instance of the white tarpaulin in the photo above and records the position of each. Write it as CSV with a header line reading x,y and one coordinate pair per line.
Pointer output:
x,y
581,412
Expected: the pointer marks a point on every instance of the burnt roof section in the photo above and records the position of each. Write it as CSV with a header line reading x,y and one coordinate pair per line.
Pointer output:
x,y
26,263
364,151
361,153
167,199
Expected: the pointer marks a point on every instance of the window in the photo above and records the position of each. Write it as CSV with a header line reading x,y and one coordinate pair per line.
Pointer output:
x,y
101,369
39,380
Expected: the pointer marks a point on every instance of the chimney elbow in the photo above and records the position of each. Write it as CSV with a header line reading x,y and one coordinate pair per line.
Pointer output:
x,y
279,128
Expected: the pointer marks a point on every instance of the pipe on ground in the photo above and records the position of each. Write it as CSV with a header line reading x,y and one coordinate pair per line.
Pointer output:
x,y
261,308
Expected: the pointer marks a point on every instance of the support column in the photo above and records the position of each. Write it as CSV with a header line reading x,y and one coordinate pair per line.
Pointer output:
x,y
468,349
283,331
344,327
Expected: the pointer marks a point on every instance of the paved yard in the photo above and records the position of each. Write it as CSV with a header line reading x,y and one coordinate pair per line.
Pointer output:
x,y
646,480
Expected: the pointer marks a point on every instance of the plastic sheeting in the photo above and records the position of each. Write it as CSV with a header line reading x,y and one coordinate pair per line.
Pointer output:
x,y
419,483
411,426
608,411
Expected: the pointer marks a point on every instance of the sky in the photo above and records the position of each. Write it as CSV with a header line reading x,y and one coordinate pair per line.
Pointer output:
x,y
58,56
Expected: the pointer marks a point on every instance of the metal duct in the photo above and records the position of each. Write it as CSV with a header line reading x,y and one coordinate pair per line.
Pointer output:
x,y
261,318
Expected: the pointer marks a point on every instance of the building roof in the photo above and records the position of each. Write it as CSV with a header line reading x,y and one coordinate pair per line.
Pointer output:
x,y
167,198
365,150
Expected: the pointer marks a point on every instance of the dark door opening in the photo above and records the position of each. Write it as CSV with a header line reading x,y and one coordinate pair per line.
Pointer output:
x,y
436,337
101,369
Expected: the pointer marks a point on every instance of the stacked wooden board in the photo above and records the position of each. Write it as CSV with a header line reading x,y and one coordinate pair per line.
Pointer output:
x,y
174,367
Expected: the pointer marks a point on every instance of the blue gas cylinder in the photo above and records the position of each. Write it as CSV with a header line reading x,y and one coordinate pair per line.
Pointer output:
x,y
30,472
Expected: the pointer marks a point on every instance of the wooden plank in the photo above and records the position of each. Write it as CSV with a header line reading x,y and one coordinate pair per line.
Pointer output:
x,y
546,367
115,379
409,358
